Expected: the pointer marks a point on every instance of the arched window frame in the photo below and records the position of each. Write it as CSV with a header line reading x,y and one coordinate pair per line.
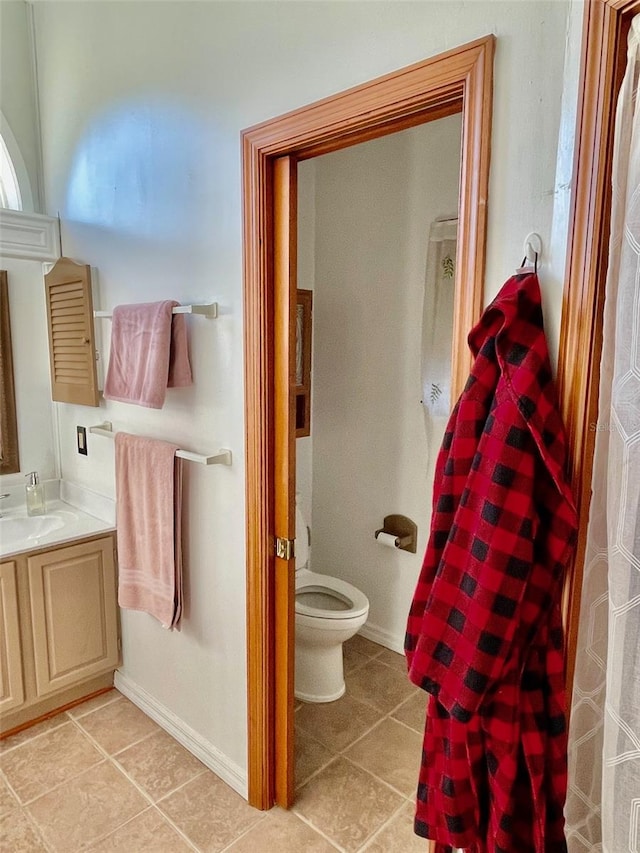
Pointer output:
x,y
15,186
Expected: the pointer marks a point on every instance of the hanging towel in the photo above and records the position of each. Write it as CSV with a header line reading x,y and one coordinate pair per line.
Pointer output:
x,y
148,354
149,513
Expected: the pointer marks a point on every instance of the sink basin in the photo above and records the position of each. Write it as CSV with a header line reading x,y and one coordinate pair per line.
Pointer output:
x,y
18,528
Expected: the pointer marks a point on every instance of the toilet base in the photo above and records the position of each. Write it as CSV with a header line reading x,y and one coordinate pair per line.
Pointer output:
x,y
309,697
319,674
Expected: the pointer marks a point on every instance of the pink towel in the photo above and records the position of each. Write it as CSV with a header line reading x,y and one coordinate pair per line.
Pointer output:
x,y
148,354
149,527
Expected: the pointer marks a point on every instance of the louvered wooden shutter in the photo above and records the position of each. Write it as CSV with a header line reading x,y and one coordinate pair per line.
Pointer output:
x,y
71,334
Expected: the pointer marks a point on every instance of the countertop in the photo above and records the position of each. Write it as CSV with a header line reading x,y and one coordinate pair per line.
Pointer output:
x,y
77,524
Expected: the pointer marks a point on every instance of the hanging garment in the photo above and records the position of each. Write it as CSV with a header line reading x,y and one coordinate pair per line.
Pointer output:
x,y
484,634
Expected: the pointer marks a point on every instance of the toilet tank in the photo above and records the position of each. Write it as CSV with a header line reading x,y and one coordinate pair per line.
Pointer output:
x,y
302,541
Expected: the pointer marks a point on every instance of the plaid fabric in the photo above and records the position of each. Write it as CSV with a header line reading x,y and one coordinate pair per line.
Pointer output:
x,y
484,634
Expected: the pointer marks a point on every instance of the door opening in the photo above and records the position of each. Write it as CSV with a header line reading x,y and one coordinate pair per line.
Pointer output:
x,y
457,81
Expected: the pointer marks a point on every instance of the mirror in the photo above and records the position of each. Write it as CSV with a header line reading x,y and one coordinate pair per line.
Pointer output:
x,y
27,411
9,462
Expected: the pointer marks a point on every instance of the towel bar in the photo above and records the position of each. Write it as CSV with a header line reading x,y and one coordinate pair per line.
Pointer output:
x,y
210,310
222,457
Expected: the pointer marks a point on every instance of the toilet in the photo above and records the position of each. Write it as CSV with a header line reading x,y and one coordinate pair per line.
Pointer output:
x,y
328,611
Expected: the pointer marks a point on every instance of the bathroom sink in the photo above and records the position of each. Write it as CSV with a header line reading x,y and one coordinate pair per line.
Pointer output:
x,y
17,528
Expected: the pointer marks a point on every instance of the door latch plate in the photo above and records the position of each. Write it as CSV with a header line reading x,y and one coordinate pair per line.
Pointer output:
x,y
285,548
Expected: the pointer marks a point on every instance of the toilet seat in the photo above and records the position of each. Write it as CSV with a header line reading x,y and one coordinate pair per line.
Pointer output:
x,y
342,600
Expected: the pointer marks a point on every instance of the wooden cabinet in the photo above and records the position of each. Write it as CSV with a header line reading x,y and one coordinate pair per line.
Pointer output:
x,y
11,683
59,628
304,312
72,349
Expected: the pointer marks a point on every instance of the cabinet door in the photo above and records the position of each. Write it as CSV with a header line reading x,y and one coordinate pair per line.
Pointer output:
x,y
72,595
11,684
71,333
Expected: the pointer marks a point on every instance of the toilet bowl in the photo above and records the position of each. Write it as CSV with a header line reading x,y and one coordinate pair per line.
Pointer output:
x,y
328,611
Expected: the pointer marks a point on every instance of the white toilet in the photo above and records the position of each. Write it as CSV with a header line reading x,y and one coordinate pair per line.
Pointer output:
x,y
328,612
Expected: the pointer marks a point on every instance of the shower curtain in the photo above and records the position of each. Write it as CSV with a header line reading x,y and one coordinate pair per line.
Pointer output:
x,y
437,328
603,803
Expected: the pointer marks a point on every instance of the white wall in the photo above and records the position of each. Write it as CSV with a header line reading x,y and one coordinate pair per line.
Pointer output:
x,y
30,349
142,106
374,205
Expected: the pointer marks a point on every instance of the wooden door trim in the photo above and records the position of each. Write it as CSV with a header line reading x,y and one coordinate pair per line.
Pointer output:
x,y
285,198
459,80
603,53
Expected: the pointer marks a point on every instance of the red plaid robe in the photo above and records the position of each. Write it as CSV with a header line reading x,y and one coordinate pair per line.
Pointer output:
x,y
484,634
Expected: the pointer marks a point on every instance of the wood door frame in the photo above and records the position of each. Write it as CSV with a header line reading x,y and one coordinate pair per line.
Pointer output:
x,y
605,26
460,80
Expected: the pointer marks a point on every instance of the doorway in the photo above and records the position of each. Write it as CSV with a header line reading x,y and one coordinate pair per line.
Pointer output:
x,y
376,252
459,81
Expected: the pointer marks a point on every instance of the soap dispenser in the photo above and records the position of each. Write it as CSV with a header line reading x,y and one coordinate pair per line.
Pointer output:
x,y
35,495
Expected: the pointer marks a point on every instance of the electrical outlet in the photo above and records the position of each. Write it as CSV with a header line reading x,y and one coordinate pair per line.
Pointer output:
x,y
81,436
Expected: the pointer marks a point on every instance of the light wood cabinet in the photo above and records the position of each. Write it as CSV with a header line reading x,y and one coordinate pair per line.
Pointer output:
x,y
11,683
59,628
72,349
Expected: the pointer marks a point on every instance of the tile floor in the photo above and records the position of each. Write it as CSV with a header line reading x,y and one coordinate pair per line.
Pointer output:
x,y
104,777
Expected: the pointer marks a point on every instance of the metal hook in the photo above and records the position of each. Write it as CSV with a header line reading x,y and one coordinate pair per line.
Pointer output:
x,y
532,249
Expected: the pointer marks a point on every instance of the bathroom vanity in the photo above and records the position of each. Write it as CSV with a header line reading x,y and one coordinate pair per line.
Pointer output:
x,y
59,638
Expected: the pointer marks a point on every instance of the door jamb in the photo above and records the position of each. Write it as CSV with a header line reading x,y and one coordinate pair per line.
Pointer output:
x,y
460,80
605,25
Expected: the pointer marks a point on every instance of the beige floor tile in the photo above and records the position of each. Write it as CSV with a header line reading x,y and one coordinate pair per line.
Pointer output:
x,y
398,835
87,808
159,764
117,725
346,803
55,757
209,813
281,832
337,724
30,732
413,712
391,752
93,704
18,835
7,800
149,832
352,659
380,686
393,659
310,754
360,644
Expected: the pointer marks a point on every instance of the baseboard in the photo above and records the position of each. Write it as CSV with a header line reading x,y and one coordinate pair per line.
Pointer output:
x,y
383,637
49,706
210,756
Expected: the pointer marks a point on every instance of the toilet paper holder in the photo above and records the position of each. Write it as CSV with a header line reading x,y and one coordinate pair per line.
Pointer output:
x,y
405,531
